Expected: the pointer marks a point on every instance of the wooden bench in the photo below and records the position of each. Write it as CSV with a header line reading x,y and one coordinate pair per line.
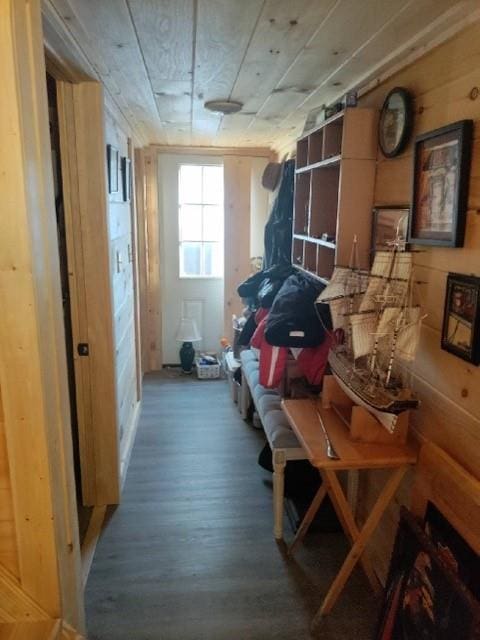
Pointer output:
x,y
282,440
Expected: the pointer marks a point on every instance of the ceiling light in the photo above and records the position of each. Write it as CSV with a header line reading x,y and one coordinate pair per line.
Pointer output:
x,y
223,106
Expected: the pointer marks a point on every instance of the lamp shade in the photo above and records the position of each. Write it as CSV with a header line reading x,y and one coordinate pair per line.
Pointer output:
x,y
187,331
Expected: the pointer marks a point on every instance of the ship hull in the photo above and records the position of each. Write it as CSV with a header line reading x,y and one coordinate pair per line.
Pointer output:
x,y
381,404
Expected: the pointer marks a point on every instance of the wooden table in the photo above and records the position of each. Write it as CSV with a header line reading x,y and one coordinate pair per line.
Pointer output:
x,y
304,421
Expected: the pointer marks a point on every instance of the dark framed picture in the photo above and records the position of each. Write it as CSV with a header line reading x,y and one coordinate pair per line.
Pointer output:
x,y
395,124
440,185
460,332
454,550
112,168
126,179
389,228
424,599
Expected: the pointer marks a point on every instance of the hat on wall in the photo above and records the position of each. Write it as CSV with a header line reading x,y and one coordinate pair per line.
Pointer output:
x,y
271,175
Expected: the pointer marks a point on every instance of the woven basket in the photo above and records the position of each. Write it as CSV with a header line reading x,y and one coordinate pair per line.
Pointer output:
x,y
208,371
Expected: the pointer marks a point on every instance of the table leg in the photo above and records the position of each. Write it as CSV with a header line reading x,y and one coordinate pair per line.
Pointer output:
x,y
309,516
356,551
347,520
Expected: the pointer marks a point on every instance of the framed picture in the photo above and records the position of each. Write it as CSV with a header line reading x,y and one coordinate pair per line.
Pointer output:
x,y
395,124
126,179
460,332
454,550
112,168
440,185
424,599
389,225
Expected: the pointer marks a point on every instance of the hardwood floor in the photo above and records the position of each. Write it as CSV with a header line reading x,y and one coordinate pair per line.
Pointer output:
x,y
190,555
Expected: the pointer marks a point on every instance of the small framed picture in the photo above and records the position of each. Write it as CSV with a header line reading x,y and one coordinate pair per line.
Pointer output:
x,y
126,179
440,185
112,168
460,333
390,227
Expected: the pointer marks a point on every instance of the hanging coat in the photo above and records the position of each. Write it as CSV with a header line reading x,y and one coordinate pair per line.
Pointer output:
x,y
278,230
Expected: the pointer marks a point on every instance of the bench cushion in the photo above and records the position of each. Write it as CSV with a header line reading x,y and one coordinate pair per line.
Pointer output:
x,y
278,431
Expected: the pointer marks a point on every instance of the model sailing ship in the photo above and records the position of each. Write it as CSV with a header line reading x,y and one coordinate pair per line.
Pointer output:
x,y
379,324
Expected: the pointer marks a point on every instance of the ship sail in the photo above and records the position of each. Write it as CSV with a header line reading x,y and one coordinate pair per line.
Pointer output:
x,y
409,336
337,313
392,265
336,288
363,326
343,283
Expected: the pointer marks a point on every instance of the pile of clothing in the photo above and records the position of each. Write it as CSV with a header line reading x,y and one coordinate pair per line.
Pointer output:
x,y
285,318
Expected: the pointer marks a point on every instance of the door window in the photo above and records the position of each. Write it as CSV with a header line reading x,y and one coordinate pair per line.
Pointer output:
x,y
200,217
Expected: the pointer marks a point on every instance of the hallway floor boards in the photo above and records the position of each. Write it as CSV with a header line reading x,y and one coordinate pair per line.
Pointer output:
x,y
190,555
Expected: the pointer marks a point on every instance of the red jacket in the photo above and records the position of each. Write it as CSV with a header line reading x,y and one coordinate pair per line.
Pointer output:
x,y
312,361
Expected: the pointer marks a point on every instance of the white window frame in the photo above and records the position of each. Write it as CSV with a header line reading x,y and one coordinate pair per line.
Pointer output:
x,y
202,204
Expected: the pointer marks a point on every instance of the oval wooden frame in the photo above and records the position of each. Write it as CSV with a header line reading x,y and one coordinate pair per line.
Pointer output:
x,y
407,100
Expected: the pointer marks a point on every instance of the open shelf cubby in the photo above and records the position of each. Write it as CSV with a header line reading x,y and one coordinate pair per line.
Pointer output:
x,y
302,203
302,153
325,262
310,257
334,186
315,147
324,201
297,251
332,139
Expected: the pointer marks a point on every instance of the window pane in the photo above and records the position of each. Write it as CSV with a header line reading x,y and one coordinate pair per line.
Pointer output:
x,y
212,259
190,253
190,222
213,223
190,184
213,185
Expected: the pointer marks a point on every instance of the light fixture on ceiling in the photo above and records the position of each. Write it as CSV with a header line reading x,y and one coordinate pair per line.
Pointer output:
x,y
226,107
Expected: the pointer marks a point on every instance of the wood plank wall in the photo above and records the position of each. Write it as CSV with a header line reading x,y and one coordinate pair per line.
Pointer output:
x,y
8,540
122,255
441,83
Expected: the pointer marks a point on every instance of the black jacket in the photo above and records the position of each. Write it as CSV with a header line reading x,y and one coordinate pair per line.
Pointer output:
x,y
293,320
278,230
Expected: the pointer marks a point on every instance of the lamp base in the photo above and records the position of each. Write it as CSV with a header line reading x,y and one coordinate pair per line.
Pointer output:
x,y
187,356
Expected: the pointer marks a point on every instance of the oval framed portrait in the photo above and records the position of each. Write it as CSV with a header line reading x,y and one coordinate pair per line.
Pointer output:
x,y
396,119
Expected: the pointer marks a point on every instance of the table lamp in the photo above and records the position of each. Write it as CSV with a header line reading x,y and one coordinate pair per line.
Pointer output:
x,y
187,333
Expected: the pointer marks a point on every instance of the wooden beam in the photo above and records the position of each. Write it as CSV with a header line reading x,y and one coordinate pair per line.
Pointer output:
x,y
251,152
142,260
33,372
153,262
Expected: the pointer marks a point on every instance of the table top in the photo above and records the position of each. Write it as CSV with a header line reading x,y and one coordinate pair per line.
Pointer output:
x,y
304,421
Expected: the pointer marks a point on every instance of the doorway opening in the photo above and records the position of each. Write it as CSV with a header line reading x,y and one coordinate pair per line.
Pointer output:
x,y
191,208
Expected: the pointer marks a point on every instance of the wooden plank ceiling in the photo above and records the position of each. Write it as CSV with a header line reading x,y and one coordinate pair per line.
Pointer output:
x,y
162,59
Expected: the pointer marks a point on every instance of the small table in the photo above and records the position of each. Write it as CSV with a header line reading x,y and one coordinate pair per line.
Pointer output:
x,y
304,421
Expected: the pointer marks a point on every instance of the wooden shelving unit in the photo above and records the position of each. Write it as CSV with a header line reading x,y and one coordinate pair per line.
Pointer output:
x,y
334,183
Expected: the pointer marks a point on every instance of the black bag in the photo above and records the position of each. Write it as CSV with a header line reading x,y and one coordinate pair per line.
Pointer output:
x,y
293,320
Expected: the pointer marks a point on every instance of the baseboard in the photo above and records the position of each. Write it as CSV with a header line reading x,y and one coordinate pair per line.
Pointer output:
x,y
126,446
92,536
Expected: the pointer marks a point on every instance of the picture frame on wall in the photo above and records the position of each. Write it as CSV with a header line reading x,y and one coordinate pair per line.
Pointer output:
x,y
461,320
453,548
424,598
112,168
440,186
389,224
126,179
